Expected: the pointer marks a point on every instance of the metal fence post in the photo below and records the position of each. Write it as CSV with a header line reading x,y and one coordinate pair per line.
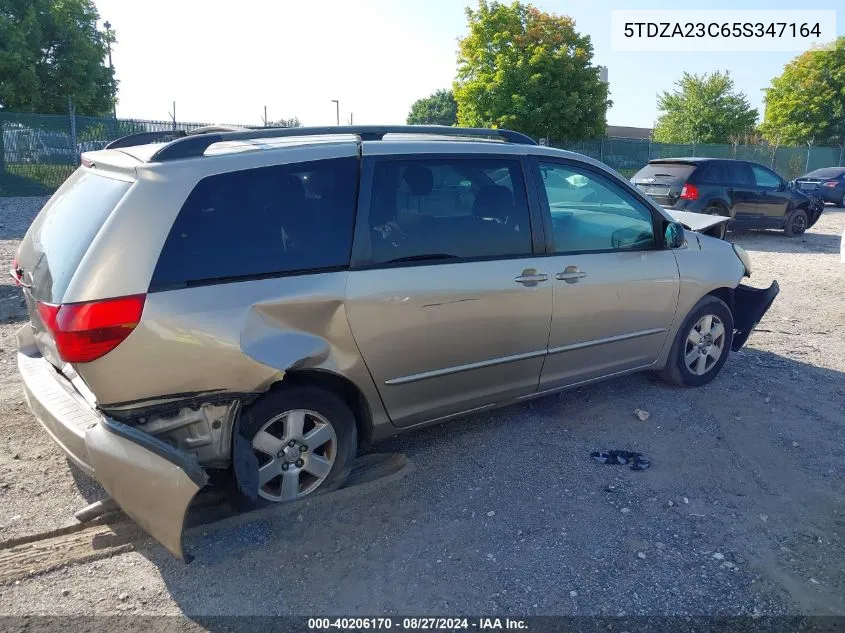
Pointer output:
x,y
74,146
841,153
2,151
809,147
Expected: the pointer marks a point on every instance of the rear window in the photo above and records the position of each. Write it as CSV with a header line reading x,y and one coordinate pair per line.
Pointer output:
x,y
262,222
826,172
664,172
64,230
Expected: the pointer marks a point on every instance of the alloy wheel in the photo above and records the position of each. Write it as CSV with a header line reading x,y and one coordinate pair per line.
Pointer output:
x,y
296,451
705,344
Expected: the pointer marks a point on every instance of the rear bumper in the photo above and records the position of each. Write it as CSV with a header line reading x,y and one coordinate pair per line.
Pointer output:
x,y
62,412
151,481
750,304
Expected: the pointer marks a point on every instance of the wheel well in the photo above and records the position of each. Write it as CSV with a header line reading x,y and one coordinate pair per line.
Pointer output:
x,y
343,387
726,295
721,204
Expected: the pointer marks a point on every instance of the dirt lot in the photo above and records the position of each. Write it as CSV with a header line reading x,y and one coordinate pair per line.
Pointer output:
x,y
742,511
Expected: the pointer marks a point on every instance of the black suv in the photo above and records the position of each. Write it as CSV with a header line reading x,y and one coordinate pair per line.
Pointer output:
x,y
753,195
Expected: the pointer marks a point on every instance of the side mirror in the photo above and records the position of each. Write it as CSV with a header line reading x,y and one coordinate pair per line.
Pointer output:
x,y
674,235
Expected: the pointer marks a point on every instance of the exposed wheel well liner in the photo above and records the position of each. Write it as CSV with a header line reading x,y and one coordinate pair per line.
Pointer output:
x,y
726,295
343,387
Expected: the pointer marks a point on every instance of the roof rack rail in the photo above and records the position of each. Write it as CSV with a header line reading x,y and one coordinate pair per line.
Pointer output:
x,y
195,145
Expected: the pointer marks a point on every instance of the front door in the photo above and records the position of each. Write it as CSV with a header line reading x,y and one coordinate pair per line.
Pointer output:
x,y
447,301
615,288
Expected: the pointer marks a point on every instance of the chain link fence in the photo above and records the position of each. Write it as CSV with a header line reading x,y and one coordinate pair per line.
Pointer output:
x,y
627,156
38,151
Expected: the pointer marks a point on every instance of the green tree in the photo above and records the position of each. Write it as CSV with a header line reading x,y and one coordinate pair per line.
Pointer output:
x,y
438,109
51,51
703,109
291,122
531,71
807,101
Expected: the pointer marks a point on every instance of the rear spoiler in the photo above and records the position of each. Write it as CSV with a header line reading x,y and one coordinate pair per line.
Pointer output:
x,y
143,138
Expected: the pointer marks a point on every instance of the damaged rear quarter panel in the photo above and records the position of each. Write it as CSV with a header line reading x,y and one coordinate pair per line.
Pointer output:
x,y
233,337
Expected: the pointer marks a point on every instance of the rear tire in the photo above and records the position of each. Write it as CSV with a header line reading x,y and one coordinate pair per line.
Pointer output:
x,y
304,439
841,202
796,223
716,209
701,346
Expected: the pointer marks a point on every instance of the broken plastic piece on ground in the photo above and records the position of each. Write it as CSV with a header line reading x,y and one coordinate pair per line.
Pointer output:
x,y
642,414
637,461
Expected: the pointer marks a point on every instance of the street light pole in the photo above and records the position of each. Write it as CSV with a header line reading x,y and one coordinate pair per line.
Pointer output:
x,y
337,105
107,24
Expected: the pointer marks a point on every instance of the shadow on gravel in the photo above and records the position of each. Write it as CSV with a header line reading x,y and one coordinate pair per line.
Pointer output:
x,y
12,305
777,242
506,513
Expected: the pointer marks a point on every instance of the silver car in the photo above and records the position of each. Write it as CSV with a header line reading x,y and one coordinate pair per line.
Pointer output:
x,y
262,302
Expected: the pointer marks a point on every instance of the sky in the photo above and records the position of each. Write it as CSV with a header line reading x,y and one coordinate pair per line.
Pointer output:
x,y
224,62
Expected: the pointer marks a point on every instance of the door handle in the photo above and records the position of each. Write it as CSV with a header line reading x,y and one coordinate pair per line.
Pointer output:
x,y
571,275
530,277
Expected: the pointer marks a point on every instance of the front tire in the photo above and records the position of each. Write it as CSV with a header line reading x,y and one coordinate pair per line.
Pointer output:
x,y
304,439
796,223
702,344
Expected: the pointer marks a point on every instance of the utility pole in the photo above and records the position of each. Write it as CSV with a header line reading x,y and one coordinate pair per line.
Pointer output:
x,y
173,116
265,116
351,118
337,106
109,40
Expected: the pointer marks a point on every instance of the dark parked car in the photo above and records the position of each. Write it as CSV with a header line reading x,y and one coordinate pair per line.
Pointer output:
x,y
827,183
752,195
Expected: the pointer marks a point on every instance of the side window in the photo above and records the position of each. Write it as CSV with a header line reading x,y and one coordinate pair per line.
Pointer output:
x,y
716,173
765,178
264,221
444,209
590,213
739,173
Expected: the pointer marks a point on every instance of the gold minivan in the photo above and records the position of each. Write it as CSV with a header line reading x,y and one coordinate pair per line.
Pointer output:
x,y
261,302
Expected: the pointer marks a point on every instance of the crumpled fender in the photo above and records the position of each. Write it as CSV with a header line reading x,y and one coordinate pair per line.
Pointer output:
x,y
151,481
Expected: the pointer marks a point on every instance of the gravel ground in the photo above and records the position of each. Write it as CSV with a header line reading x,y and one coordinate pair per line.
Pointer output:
x,y
741,512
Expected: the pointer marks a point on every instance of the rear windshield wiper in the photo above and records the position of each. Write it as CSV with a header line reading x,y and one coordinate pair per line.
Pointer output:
x,y
421,258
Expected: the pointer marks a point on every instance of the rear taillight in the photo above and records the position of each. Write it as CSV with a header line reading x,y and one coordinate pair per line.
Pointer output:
x,y
689,192
830,183
87,331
